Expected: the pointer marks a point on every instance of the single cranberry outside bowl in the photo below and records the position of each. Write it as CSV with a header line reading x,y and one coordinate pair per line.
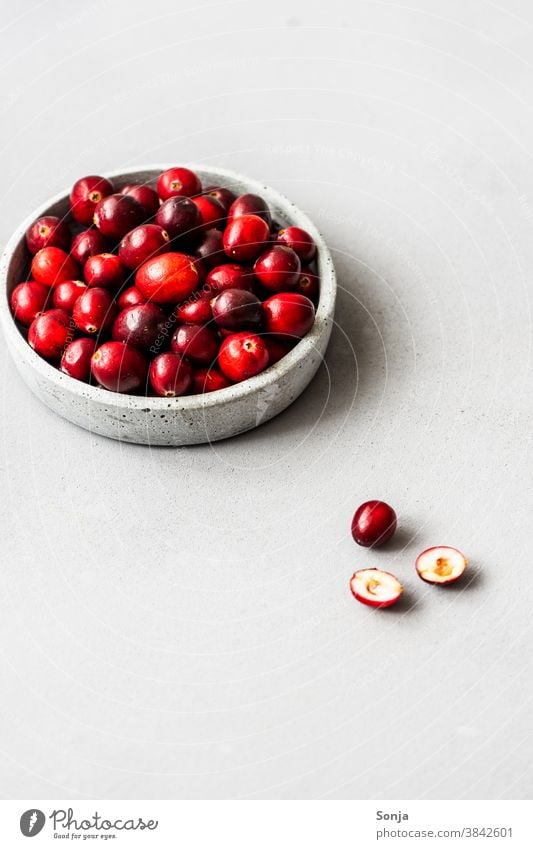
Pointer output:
x,y
192,418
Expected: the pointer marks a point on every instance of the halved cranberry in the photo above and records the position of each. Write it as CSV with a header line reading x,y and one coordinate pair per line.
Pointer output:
x,y
168,278
48,231
224,196
170,375
250,204
139,325
52,265
28,300
198,344
50,332
116,214
142,243
212,213
119,368
242,355
230,276
236,309
67,293
104,270
210,250
130,298
299,240
245,237
208,380
308,284
278,268
145,195
180,217
288,313
196,310
86,194
94,310
76,359
86,244
178,182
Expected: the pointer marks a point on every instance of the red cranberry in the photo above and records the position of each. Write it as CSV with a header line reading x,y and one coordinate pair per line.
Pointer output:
x,y
170,375
236,309
119,368
145,195
288,313
178,182
76,359
374,522
28,300
49,231
230,276
308,284
197,310
180,217
199,344
278,268
168,278
139,326
130,298
104,270
52,265
212,213
223,195
244,237
210,250
94,310
242,355
208,380
86,244
299,240
49,333
115,215
86,194
276,349
250,204
67,293
142,243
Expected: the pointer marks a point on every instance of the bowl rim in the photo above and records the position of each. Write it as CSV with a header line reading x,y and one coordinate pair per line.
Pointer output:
x,y
146,403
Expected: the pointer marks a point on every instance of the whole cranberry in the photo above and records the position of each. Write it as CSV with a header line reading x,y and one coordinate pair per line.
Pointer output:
x,y
28,300
212,213
116,214
308,284
94,310
224,196
52,265
210,250
230,276
242,355
245,237
170,375
198,344
196,310
104,270
288,313
76,359
276,349
86,194
236,309
167,279
119,368
86,244
50,332
67,293
180,217
142,243
139,325
130,298
299,240
208,380
374,522
278,268
250,204
48,231
145,195
178,182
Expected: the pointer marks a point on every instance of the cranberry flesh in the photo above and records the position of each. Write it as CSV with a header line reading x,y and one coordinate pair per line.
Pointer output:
x,y
230,276
119,368
145,195
86,244
236,309
48,231
168,278
250,204
299,240
142,243
212,213
198,344
308,284
139,325
224,196
180,217
178,182
288,313
374,523
104,270
278,268
86,194
28,300
170,375
67,293
208,380
52,265
210,250
94,310
242,355
245,237
197,310
130,298
76,359
116,215
49,333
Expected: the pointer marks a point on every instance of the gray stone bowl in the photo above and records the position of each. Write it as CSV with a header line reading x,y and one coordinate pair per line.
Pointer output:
x,y
173,421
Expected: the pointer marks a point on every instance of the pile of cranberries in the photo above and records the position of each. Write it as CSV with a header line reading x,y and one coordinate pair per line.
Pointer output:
x,y
171,289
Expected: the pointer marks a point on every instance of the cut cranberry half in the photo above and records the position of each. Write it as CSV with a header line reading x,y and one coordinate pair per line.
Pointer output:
x,y
242,355
245,237
375,587
86,194
299,240
288,313
116,214
278,268
119,368
142,243
167,279
52,265
86,244
198,344
67,293
28,300
140,325
50,332
104,270
374,523
76,359
178,182
48,231
170,375
441,565
94,310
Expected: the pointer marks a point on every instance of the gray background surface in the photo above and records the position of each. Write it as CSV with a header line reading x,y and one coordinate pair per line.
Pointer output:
x,y
177,623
